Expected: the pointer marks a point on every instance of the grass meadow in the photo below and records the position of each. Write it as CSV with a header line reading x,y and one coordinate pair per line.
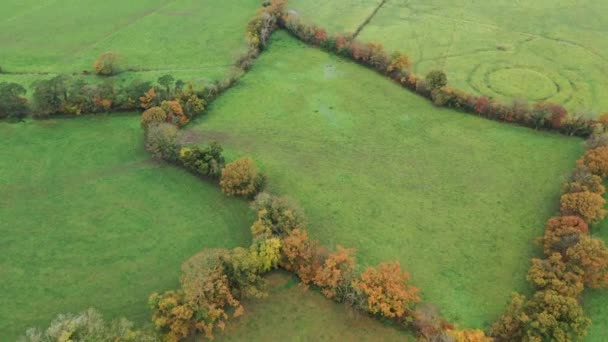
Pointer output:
x,y
382,170
596,301
154,37
534,50
88,220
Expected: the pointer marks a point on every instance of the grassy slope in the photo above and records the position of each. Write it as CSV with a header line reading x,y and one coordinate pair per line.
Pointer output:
x,y
457,199
293,314
181,37
89,220
538,50
336,16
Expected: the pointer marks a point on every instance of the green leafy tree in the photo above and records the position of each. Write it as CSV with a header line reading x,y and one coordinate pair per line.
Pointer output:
x,y
13,104
207,161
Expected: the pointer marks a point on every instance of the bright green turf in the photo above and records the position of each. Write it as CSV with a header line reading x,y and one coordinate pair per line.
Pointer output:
x,y
457,199
596,301
539,50
182,37
335,16
88,220
291,313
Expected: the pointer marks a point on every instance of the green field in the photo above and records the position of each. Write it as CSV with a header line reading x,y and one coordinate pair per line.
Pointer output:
x,y
457,199
294,314
191,39
87,219
596,301
535,50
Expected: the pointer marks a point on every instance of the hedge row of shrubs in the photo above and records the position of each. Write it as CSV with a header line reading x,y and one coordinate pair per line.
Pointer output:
x,y
573,259
434,86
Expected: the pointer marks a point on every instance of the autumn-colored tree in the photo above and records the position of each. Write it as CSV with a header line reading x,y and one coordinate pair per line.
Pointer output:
x,y
277,216
591,255
378,59
598,139
469,335
429,324
149,99
583,180
482,105
207,161
299,255
399,63
336,273
548,316
191,103
175,113
107,64
173,315
154,115
554,274
240,178
596,161
386,290
548,114
563,232
603,120
588,205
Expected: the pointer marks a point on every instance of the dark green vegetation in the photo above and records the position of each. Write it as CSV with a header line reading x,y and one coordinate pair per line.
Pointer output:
x,y
382,170
293,313
89,220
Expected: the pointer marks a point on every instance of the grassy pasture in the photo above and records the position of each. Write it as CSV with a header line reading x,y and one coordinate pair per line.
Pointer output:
x,y
380,169
88,220
186,38
537,50
336,16
596,301
291,313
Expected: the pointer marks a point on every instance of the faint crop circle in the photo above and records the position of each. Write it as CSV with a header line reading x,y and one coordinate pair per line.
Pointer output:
x,y
521,83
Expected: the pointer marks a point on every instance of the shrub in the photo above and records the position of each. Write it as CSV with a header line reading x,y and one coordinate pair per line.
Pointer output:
x,y
191,103
277,216
154,115
436,79
428,323
107,64
207,161
240,178
588,205
149,99
399,64
175,113
597,140
591,256
554,274
563,232
469,335
548,316
161,142
299,255
13,105
386,291
336,274
596,161
88,325
583,180
49,96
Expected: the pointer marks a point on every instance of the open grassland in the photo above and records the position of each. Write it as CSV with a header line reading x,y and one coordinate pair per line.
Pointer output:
x,y
291,313
536,50
596,301
335,16
457,199
87,219
190,39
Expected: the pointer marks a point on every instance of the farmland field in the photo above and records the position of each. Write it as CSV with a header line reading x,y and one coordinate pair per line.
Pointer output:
x,y
537,50
596,301
156,37
382,170
89,220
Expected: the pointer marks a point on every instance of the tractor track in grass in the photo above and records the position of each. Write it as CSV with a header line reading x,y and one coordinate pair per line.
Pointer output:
x,y
369,18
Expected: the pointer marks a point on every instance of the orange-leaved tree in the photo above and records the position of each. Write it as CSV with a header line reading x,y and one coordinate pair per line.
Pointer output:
x,y
240,178
563,232
591,255
107,64
588,205
335,275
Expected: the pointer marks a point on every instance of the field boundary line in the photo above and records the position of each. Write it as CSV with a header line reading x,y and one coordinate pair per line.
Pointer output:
x,y
369,18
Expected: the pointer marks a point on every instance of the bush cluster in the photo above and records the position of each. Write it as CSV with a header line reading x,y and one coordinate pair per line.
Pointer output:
x,y
573,260
435,86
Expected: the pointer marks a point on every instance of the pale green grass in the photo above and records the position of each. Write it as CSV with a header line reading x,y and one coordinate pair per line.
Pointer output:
x,y
336,16
88,220
191,37
538,50
458,200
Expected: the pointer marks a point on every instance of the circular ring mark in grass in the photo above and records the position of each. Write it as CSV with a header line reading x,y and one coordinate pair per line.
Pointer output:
x,y
521,82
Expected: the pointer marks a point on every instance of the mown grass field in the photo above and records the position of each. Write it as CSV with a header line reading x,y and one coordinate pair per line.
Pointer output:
x,y
291,313
457,199
190,39
88,220
535,50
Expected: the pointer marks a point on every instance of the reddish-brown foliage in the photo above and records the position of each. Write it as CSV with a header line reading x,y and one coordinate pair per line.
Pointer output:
x,y
596,161
336,272
148,99
563,232
300,255
386,290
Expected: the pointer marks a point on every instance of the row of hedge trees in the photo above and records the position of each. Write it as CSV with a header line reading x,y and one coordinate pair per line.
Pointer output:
x,y
573,259
434,86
